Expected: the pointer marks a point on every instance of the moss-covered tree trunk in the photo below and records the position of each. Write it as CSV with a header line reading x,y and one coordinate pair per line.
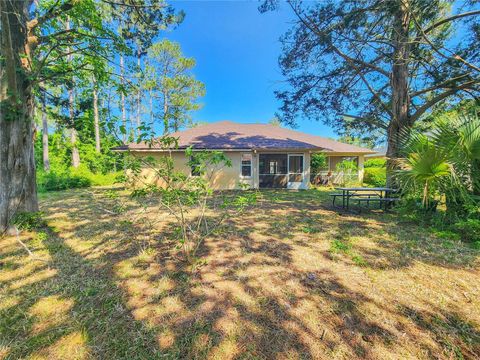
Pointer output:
x,y
18,190
399,83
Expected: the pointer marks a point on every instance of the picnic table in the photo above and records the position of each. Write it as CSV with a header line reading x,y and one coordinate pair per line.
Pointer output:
x,y
365,194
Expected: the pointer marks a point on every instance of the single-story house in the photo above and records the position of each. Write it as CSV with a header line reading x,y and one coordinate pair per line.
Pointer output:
x,y
262,155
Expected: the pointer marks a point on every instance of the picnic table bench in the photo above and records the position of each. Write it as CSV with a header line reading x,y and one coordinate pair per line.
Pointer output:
x,y
382,195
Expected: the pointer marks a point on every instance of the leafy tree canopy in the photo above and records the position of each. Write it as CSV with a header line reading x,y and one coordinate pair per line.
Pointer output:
x,y
387,62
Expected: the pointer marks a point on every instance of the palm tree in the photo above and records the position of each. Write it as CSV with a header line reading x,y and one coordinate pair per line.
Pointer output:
x,y
461,137
446,161
425,169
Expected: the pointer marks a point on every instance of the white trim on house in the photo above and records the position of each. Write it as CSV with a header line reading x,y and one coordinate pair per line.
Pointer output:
x,y
243,177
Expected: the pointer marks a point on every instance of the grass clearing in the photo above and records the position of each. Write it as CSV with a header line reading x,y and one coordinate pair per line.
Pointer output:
x,y
291,279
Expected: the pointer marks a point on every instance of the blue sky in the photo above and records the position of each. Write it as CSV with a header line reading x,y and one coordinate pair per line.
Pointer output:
x,y
236,49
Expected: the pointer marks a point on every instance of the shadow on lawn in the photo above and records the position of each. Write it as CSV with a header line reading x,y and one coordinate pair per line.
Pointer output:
x,y
251,300
397,243
97,324
443,325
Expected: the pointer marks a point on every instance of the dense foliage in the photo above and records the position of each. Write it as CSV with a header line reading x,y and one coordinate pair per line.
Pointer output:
x,y
318,162
375,163
443,162
442,167
65,61
95,169
375,176
375,172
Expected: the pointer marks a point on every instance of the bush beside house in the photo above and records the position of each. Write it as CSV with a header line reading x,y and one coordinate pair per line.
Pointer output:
x,y
375,172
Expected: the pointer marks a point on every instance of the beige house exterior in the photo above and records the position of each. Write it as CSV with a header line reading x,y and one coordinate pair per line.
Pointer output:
x,y
261,155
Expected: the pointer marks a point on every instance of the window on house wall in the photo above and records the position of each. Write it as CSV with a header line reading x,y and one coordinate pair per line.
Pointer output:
x,y
246,170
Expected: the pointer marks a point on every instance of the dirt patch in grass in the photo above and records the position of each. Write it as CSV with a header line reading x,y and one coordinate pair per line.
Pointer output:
x,y
291,279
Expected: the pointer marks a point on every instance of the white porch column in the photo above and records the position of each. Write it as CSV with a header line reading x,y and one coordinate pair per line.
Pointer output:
x,y
255,169
361,169
306,170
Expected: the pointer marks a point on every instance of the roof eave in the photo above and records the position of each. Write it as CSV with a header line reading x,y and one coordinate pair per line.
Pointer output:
x,y
257,149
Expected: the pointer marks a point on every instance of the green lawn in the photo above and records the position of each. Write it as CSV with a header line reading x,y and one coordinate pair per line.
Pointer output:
x,y
290,279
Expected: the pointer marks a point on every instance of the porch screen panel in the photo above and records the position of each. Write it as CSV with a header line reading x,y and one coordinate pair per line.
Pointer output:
x,y
295,163
335,160
273,170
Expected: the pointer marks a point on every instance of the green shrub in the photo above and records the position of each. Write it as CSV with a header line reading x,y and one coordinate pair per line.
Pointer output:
x,y
469,230
28,220
318,162
375,176
96,179
61,179
375,163
446,235
348,169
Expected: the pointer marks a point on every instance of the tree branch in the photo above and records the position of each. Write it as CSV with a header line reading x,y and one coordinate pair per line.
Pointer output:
x,y
422,109
443,84
454,55
451,18
51,13
128,5
70,31
317,31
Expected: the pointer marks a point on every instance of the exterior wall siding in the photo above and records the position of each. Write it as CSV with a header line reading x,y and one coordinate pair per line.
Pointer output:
x,y
223,178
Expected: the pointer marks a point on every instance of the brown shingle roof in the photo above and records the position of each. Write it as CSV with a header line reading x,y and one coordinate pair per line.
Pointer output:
x,y
230,136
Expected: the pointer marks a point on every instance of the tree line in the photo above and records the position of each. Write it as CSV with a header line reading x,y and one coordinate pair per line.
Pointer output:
x,y
87,75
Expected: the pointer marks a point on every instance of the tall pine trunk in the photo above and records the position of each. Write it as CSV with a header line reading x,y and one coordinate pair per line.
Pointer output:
x,y
71,108
122,100
18,191
96,117
73,133
166,122
139,91
400,121
150,97
45,155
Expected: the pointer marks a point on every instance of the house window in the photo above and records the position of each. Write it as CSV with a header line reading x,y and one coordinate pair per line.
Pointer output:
x,y
246,170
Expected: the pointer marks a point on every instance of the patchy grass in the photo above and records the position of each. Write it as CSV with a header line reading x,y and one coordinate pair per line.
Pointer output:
x,y
291,279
